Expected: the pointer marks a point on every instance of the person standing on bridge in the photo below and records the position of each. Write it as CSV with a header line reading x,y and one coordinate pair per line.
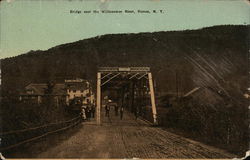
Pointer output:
x,y
107,108
116,110
88,112
136,113
121,113
92,111
83,113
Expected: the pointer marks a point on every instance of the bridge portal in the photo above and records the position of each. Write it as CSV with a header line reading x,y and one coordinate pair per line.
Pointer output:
x,y
117,77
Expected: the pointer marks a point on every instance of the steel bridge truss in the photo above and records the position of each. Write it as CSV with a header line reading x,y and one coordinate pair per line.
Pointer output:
x,y
105,75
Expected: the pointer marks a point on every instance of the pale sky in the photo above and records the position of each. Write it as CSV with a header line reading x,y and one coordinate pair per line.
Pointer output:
x,y
39,25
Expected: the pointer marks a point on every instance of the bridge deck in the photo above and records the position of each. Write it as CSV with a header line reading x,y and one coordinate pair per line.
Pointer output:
x,y
117,138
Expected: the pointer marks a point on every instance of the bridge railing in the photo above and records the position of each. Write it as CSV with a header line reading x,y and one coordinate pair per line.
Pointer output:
x,y
13,139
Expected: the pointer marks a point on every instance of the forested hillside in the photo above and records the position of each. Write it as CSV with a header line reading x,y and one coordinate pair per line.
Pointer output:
x,y
221,50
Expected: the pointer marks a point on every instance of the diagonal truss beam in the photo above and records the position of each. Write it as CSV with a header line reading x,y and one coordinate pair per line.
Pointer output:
x,y
142,76
133,76
110,79
106,75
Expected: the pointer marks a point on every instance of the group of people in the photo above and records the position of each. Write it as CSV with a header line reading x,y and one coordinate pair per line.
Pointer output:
x,y
87,112
107,109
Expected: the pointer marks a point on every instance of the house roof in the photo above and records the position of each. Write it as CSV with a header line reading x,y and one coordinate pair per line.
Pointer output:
x,y
58,89
76,85
39,89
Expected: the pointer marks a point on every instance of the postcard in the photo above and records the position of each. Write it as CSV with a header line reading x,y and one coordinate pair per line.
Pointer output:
x,y
122,79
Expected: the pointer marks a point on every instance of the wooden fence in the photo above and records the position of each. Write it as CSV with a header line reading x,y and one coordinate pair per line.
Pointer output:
x,y
13,139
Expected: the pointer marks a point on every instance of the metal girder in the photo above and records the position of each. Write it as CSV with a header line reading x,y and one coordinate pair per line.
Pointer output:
x,y
128,73
106,75
124,69
142,76
152,95
110,79
133,76
98,99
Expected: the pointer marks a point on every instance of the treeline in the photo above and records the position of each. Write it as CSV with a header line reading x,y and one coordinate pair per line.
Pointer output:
x,y
223,124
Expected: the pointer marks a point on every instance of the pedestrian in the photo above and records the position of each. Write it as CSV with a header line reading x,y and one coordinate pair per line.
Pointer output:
x,y
107,108
136,113
93,111
116,110
121,113
88,112
83,113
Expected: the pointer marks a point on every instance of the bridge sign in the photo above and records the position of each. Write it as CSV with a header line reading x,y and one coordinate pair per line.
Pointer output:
x,y
124,69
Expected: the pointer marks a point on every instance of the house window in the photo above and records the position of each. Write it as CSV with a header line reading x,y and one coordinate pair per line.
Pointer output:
x,y
82,91
74,91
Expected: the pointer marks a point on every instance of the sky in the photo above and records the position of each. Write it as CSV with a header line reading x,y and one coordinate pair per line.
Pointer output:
x,y
41,24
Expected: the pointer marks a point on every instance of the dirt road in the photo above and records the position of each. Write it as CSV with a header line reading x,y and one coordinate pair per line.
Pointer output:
x,y
117,138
